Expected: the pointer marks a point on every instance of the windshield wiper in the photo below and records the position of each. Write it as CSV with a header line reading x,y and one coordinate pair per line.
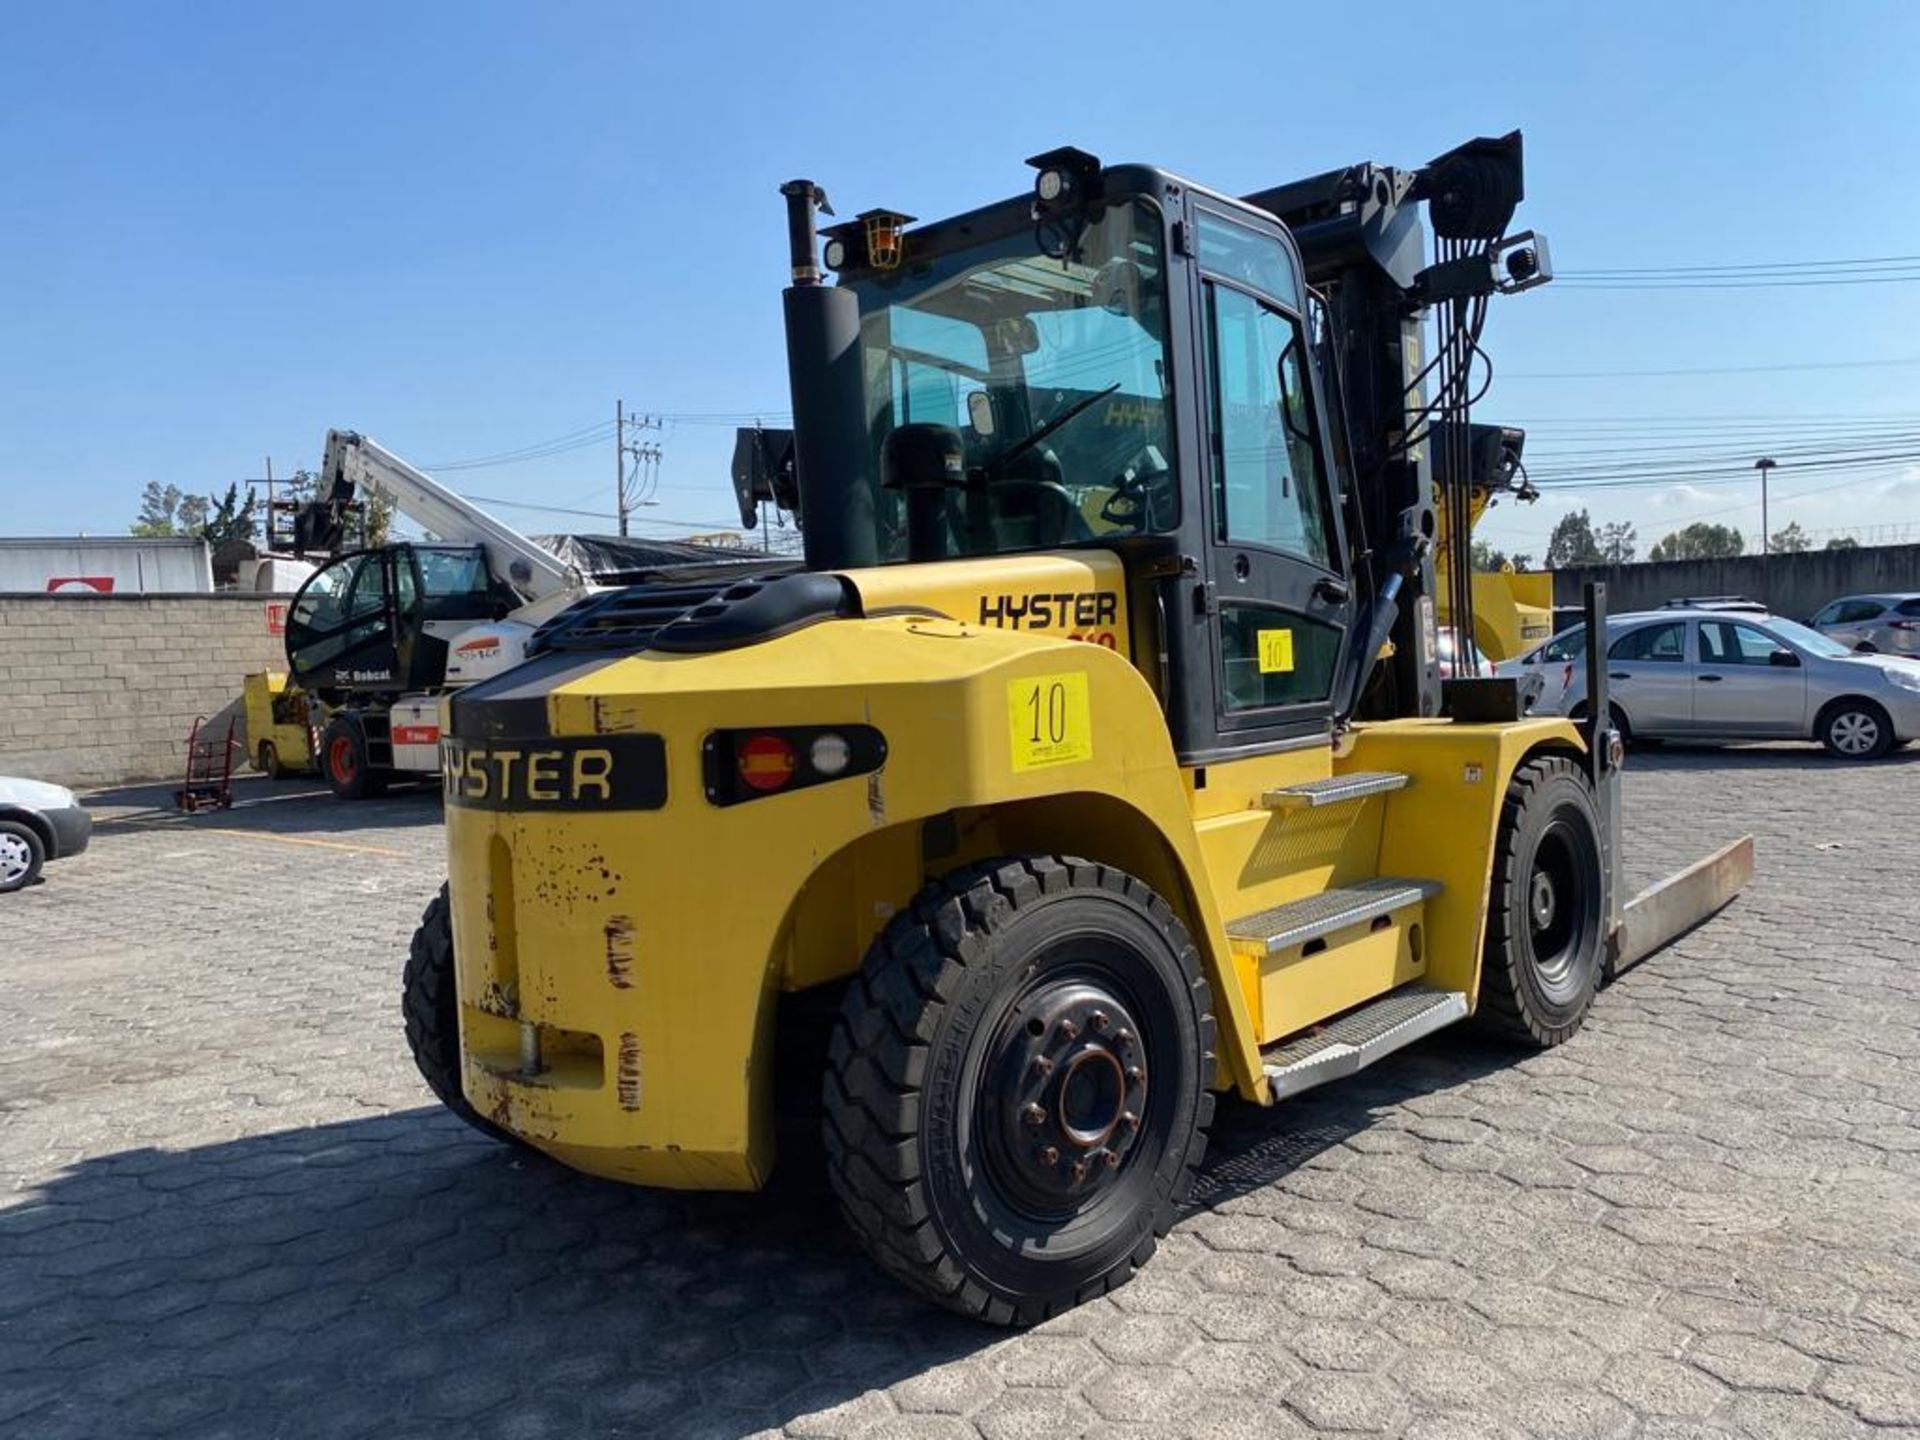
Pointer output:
x,y
997,465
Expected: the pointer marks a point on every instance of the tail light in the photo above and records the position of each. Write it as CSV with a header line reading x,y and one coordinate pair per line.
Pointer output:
x,y
1903,624
743,765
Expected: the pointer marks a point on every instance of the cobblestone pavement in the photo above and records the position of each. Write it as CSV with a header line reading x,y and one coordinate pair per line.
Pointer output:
x,y
227,1207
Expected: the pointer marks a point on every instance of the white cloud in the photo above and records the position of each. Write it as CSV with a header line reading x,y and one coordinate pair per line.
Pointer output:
x,y
1906,483
1680,495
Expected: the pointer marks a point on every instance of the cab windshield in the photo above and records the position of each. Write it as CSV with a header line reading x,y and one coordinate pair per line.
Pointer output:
x,y
1053,371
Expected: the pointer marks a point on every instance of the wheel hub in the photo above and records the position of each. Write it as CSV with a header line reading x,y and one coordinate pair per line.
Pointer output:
x,y
1071,1092
1543,900
14,857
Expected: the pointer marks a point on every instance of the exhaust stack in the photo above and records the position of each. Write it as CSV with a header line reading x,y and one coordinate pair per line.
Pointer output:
x,y
831,450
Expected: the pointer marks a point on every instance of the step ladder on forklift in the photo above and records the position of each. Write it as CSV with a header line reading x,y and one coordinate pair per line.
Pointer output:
x,y
209,779
1335,918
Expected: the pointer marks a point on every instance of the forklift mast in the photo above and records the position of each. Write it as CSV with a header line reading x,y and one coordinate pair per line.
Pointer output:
x,y
1410,446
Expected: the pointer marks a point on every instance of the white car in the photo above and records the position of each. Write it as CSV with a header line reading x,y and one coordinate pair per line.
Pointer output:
x,y
38,822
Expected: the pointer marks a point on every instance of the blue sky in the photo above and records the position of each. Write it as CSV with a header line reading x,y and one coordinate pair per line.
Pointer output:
x,y
468,229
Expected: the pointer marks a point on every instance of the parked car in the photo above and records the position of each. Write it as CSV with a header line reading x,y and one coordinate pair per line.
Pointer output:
x,y
38,823
1718,675
1889,624
1736,603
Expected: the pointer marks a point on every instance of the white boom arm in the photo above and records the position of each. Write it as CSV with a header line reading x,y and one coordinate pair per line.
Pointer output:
x,y
515,561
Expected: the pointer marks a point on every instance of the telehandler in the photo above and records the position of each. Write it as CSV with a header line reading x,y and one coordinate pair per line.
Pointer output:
x,y
1095,762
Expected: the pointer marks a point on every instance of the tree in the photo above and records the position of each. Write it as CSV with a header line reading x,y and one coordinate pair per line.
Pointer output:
x,y
1843,542
1573,542
1486,559
1617,543
1790,541
159,511
230,519
1700,541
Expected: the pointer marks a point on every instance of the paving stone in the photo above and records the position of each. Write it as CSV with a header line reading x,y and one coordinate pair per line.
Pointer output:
x,y
1696,1218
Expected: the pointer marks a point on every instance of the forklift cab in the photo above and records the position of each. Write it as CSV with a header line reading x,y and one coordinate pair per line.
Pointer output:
x,y
378,621
1131,374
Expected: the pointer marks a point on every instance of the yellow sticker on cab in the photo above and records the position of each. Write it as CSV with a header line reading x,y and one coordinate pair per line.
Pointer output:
x,y
1049,720
1276,652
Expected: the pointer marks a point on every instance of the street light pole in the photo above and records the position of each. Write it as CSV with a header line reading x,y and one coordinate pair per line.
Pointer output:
x,y
1763,465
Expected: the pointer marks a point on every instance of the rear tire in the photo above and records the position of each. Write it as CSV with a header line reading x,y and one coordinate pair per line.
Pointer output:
x,y
22,854
430,1005
344,761
267,761
1855,730
1016,1089
1546,918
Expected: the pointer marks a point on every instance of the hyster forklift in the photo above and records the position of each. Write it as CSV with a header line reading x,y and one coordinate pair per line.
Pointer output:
x,y
1096,761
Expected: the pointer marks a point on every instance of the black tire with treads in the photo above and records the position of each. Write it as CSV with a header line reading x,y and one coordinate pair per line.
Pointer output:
x,y
1546,914
919,1105
431,1007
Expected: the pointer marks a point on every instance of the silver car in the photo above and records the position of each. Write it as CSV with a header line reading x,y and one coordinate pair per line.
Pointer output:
x,y
1889,624
1709,675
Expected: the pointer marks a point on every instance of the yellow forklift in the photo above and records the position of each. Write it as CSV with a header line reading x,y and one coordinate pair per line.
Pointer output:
x,y
1095,762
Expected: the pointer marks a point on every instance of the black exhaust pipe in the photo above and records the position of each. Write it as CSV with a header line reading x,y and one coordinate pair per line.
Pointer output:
x,y
831,448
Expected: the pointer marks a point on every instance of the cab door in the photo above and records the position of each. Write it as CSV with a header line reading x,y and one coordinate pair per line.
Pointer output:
x,y
1277,596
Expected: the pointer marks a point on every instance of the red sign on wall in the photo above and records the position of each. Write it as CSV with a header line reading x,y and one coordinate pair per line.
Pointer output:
x,y
277,617
99,584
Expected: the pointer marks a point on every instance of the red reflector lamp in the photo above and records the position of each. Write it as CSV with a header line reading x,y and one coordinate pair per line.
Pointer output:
x,y
765,762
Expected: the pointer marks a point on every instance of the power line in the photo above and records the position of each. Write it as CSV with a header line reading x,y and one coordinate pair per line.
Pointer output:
x,y
1782,265
1711,369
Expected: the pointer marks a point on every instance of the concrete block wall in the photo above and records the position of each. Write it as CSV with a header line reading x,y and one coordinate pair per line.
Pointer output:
x,y
103,689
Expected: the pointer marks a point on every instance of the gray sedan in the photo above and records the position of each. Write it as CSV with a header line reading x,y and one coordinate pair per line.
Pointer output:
x,y
1889,624
1705,675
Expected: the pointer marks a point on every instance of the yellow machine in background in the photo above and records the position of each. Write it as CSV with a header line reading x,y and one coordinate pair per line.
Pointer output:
x,y
279,737
1512,611
1095,762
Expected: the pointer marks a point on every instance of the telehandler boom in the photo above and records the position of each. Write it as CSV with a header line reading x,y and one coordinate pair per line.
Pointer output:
x,y
1096,762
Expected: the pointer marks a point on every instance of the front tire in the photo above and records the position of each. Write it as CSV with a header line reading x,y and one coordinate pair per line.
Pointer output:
x,y
1016,1088
22,853
267,761
430,1005
1546,919
343,755
1856,730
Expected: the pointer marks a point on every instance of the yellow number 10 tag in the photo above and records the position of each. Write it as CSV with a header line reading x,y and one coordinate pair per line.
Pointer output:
x,y
1276,652
1049,720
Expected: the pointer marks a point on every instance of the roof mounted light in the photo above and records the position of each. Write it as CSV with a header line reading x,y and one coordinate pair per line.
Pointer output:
x,y
872,240
1067,177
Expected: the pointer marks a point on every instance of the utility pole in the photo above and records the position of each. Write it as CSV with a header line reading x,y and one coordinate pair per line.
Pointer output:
x,y
1765,464
620,463
625,500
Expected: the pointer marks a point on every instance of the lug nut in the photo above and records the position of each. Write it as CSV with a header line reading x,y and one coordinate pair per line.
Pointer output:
x,y
1035,1114
1042,1066
1113,1159
1123,1035
1136,1074
1050,1155
1098,1020
1068,1029
1079,1171
1130,1121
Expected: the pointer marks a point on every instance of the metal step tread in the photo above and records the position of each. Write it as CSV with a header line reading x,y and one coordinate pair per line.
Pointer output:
x,y
1334,790
1361,1036
1299,921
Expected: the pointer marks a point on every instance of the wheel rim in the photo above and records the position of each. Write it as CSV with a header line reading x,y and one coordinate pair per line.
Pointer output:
x,y
1563,901
1854,732
15,859
340,758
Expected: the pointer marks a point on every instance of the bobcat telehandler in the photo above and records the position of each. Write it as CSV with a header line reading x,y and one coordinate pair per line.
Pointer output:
x,y
1095,762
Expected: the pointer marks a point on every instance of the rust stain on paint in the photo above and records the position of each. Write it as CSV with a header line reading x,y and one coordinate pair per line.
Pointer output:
x,y
619,932
627,1072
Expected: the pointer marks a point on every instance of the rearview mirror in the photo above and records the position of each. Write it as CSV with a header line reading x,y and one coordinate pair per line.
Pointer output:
x,y
1784,658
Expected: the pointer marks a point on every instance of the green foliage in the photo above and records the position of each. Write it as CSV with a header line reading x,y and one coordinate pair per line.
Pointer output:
x,y
159,510
1617,542
1700,541
1790,541
166,512
231,518
1843,542
1573,542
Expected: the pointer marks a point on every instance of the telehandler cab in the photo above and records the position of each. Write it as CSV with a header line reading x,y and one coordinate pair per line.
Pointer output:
x,y
1096,760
